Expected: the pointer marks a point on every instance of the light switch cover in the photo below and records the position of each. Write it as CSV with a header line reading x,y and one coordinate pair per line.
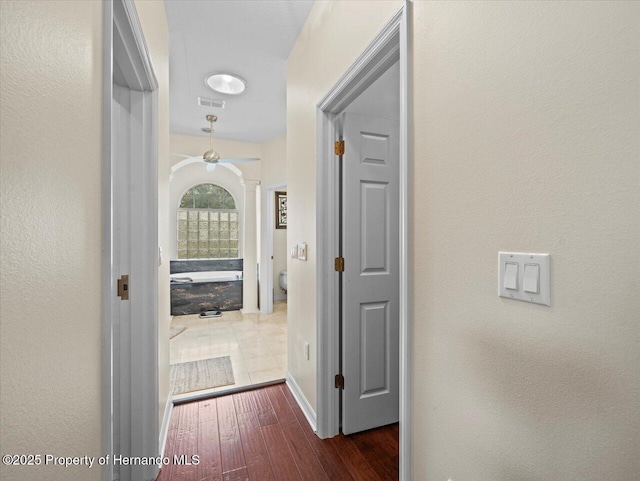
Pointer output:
x,y
529,280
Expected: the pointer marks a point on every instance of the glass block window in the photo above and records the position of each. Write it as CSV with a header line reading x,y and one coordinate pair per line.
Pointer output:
x,y
207,224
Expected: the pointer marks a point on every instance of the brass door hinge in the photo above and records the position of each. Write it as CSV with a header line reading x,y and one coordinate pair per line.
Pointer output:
x,y
339,381
339,147
339,264
123,288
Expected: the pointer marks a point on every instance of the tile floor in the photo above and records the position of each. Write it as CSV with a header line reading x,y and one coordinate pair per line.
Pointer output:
x,y
256,344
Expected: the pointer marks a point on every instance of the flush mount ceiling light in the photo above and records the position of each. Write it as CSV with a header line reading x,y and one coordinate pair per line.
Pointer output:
x,y
226,83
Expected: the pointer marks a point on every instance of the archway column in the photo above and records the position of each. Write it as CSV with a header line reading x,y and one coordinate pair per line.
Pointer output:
x,y
250,251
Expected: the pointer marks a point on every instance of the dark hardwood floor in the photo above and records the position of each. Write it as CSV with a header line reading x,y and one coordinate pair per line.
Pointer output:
x,y
262,435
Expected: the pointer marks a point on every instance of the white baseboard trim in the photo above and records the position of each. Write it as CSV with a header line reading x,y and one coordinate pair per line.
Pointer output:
x,y
166,419
300,398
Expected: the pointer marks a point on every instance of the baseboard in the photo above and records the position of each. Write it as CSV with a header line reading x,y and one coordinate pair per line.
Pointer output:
x,y
300,398
166,419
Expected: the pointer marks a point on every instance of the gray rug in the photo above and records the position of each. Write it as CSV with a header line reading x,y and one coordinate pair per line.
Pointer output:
x,y
199,375
175,330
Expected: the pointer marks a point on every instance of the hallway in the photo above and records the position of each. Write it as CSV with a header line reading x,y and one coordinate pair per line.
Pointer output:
x,y
263,435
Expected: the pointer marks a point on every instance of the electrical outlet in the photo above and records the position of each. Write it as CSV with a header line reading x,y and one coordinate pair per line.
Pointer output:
x,y
306,350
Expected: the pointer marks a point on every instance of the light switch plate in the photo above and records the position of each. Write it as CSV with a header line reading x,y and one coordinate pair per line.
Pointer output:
x,y
302,251
522,259
294,251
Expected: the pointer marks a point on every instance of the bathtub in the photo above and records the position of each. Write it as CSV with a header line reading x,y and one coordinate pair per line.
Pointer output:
x,y
195,292
207,276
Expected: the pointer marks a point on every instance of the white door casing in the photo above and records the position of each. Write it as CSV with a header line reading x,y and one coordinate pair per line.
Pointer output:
x,y
390,45
130,246
370,309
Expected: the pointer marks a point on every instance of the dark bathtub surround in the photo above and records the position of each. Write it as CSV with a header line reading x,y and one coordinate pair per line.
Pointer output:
x,y
194,298
205,296
204,265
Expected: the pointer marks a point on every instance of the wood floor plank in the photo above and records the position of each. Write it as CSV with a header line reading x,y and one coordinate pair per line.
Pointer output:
x,y
308,465
186,444
376,455
281,406
331,463
264,410
356,463
387,437
210,466
282,463
263,435
255,451
244,402
230,444
237,475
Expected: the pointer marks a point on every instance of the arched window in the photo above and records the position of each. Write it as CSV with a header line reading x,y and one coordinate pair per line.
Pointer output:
x,y
207,224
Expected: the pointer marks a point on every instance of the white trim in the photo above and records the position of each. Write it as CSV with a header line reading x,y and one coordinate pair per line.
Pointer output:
x,y
267,227
166,420
121,17
107,247
302,401
391,44
406,261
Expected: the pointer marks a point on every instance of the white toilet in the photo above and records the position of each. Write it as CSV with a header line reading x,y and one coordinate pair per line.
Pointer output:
x,y
283,281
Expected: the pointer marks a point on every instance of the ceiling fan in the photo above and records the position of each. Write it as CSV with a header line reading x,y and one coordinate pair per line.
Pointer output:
x,y
211,157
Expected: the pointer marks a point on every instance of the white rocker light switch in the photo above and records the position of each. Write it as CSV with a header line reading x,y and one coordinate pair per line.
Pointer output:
x,y
532,278
511,276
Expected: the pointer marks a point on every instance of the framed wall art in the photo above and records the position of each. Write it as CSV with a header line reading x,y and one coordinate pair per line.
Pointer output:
x,y
281,210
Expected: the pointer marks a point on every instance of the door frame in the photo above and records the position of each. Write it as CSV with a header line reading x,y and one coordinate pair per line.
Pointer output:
x,y
266,249
389,46
121,16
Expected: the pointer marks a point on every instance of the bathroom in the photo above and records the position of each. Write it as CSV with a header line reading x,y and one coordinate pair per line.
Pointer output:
x,y
224,217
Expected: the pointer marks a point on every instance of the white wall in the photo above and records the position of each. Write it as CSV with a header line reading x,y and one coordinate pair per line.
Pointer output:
x,y
334,34
193,174
273,171
526,122
50,255
525,137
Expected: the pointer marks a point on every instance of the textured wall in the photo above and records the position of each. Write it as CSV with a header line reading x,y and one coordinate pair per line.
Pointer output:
x,y
153,19
50,184
526,122
333,36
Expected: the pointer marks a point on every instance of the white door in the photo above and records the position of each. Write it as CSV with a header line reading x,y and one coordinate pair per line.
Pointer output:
x,y
370,292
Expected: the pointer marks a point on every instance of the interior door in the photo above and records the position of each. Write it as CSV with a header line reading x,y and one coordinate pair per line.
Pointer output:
x,y
370,282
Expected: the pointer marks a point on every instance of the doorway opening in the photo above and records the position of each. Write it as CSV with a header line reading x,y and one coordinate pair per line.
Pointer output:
x,y
367,320
218,345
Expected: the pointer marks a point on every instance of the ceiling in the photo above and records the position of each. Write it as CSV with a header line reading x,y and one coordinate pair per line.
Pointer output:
x,y
248,38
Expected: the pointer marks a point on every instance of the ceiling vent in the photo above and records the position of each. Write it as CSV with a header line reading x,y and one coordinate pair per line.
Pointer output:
x,y
207,102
